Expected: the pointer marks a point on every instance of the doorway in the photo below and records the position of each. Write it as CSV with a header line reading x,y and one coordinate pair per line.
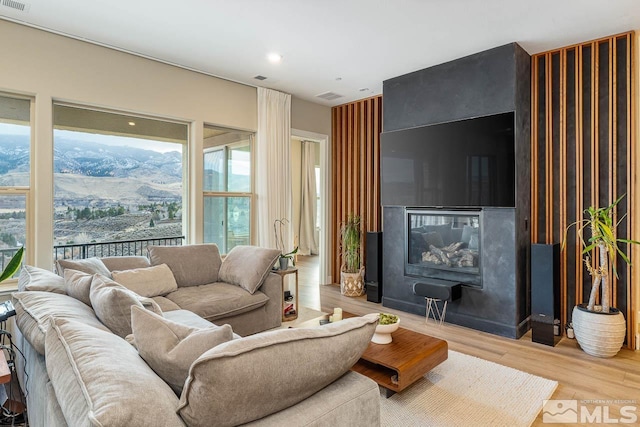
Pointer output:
x,y
323,235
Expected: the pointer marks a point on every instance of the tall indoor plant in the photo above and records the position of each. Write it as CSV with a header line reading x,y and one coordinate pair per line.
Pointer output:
x,y
14,264
600,329
351,271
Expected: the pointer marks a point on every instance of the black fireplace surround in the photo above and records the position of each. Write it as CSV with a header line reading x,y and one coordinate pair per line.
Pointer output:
x,y
493,265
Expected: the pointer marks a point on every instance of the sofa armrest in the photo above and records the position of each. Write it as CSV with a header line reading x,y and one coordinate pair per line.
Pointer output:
x,y
272,287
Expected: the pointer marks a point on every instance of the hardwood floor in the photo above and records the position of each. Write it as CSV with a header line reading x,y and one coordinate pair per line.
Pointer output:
x,y
579,376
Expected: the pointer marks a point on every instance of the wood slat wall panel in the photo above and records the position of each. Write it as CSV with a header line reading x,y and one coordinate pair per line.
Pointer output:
x,y
594,145
355,169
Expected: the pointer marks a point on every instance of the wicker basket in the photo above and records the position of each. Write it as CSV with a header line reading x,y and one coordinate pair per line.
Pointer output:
x,y
599,334
352,284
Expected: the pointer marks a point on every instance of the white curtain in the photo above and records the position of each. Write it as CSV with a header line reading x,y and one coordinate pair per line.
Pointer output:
x,y
308,201
273,166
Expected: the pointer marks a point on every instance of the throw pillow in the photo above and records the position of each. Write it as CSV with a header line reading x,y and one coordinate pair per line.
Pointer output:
x,y
148,282
248,266
192,265
34,308
89,266
38,279
78,285
112,303
283,367
169,347
100,380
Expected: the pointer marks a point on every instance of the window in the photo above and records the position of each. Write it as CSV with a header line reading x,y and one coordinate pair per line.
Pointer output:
x,y
227,187
15,174
118,182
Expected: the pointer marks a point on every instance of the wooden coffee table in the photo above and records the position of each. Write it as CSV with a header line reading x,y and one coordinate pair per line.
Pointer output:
x,y
397,365
405,360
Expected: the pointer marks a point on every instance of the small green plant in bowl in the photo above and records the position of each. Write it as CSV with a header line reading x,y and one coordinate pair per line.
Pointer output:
x,y
387,319
387,324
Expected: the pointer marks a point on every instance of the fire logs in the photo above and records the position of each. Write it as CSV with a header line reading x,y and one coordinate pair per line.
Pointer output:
x,y
451,256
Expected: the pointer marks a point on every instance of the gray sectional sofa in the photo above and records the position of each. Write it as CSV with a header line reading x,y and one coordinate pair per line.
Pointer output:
x,y
101,350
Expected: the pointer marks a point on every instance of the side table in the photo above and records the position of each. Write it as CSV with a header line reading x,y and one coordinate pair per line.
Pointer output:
x,y
282,274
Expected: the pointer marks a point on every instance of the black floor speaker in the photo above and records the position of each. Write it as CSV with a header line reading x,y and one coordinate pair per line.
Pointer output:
x,y
373,266
545,294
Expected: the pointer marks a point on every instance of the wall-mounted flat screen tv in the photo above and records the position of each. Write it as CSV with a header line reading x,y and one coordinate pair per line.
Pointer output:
x,y
466,163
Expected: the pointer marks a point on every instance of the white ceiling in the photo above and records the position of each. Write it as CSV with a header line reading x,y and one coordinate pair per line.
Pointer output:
x,y
344,46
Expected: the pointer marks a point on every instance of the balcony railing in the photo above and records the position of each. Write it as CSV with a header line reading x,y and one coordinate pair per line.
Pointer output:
x,y
115,248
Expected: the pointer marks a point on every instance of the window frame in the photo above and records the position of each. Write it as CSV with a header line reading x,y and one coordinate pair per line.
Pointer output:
x,y
227,194
185,156
26,191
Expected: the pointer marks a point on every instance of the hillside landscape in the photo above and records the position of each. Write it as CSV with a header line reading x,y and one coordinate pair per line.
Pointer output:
x,y
101,192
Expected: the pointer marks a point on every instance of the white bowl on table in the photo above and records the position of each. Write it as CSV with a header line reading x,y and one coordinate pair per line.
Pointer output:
x,y
383,333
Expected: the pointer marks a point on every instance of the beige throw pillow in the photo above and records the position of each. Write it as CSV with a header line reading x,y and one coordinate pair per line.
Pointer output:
x,y
248,266
112,303
148,282
282,367
38,279
89,266
78,285
34,308
169,347
100,380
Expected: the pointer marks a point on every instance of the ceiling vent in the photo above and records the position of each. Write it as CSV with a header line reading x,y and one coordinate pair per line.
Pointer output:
x,y
22,7
329,96
259,77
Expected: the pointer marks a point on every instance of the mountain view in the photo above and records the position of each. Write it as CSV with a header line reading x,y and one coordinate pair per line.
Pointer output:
x,y
101,192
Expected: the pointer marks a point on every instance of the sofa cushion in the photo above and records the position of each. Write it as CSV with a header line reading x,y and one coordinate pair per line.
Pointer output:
x,y
165,304
89,266
34,308
169,347
112,304
100,380
38,279
148,282
125,262
247,266
217,300
283,368
78,285
191,265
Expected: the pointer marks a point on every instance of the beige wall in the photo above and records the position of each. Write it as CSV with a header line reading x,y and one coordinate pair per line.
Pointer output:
x,y
310,117
50,67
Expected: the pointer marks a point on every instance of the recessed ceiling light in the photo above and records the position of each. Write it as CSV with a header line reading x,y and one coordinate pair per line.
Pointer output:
x,y
132,123
274,57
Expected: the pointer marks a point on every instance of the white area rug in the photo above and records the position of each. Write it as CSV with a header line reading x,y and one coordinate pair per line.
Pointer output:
x,y
467,391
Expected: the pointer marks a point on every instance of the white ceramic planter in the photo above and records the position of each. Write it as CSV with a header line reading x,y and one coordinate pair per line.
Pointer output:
x,y
383,333
599,334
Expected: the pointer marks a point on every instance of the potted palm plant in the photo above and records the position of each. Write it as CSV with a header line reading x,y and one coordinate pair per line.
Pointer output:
x,y
13,265
600,329
351,270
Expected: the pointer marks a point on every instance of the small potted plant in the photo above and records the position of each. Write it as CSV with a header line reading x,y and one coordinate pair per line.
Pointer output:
x,y
600,329
284,258
351,271
13,265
